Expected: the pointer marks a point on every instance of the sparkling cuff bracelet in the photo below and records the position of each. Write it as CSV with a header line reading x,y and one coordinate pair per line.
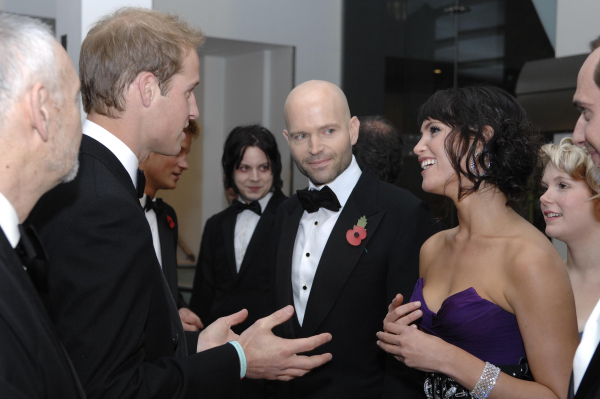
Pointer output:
x,y
486,382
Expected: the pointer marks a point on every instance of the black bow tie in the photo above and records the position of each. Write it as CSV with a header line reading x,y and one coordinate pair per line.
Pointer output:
x,y
32,255
312,200
154,205
240,207
141,183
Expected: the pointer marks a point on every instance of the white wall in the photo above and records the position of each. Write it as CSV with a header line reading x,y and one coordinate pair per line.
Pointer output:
x,y
577,24
35,8
314,27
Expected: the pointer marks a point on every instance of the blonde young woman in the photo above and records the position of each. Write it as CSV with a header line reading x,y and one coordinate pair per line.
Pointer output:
x,y
493,290
572,213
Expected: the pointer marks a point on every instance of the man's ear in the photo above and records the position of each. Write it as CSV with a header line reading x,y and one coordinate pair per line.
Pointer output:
x,y
147,85
40,102
286,135
353,127
488,132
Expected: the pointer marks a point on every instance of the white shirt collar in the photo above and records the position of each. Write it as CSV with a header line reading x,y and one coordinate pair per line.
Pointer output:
x,y
114,145
263,202
343,185
9,221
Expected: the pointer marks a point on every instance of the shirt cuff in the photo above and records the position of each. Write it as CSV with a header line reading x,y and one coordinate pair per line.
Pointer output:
x,y
242,356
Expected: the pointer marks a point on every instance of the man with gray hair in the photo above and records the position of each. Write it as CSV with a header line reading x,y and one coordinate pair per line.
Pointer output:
x,y
586,365
40,132
106,293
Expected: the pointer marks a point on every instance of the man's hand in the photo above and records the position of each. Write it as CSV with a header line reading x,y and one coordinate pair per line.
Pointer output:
x,y
219,332
274,358
189,319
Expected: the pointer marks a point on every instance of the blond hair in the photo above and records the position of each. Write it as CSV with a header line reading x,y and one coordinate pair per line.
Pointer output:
x,y
125,43
572,160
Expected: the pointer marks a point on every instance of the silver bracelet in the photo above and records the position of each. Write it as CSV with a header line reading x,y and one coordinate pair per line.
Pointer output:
x,y
486,382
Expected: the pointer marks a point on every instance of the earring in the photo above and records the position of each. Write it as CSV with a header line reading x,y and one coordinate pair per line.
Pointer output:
x,y
474,168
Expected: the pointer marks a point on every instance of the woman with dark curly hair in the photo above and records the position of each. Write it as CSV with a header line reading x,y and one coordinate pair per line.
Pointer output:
x,y
493,290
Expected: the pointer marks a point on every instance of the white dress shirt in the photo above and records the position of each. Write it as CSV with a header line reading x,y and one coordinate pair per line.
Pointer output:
x,y
9,221
587,347
115,145
313,233
245,224
153,222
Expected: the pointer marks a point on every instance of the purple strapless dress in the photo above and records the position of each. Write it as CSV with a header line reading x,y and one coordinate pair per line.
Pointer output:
x,y
474,324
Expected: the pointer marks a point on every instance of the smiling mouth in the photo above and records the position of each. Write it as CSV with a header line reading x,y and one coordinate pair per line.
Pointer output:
x,y
553,215
427,163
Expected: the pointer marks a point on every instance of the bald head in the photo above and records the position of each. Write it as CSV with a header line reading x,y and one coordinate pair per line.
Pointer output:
x,y
320,130
316,93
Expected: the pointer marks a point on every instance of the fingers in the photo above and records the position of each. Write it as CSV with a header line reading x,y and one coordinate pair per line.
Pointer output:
x,y
279,317
308,362
301,345
397,301
236,318
189,327
403,321
401,311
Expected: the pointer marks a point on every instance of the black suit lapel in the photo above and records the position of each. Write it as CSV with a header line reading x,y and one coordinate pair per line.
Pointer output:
x,y
591,376
340,257
283,274
95,149
228,236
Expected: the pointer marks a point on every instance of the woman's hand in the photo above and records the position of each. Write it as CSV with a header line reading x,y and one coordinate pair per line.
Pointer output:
x,y
402,339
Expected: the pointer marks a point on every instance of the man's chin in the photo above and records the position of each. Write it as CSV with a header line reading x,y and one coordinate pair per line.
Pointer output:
x,y
72,172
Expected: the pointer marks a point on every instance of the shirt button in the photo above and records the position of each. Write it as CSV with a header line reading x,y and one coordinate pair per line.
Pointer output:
x,y
304,287
308,254
316,223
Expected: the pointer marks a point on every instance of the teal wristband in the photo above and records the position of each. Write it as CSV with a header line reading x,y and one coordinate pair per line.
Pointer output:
x,y
242,356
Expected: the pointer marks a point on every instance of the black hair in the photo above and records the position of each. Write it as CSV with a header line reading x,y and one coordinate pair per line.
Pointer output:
x,y
507,158
235,146
379,148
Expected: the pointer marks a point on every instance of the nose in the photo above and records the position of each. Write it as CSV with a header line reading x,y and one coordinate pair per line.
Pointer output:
x,y
420,146
546,198
579,131
254,174
183,164
194,113
314,144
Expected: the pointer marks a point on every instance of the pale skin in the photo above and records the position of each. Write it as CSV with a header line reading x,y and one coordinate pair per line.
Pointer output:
x,y
320,130
509,263
572,217
28,137
152,122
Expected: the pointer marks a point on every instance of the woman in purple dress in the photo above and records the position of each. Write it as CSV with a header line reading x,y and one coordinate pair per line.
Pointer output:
x,y
492,290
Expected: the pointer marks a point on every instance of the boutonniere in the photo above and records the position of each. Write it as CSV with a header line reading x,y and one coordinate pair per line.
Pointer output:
x,y
171,222
358,232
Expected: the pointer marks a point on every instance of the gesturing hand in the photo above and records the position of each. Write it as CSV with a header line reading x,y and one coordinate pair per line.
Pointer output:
x,y
189,319
219,332
271,357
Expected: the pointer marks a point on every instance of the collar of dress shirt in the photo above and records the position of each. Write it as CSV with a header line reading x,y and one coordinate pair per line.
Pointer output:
x,y
115,145
9,221
145,199
343,185
263,202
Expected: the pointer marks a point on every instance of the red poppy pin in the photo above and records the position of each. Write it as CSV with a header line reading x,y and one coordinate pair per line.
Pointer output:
x,y
358,233
171,222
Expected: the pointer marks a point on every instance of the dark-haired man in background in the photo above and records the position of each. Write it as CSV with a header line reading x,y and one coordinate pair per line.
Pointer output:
x,y
162,172
379,148
237,253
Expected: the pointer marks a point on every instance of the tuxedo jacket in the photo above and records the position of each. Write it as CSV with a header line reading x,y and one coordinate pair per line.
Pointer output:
x,y
168,228
106,294
589,388
352,289
33,363
219,290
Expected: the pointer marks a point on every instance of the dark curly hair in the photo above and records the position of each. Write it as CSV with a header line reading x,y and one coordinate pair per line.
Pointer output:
x,y
379,148
235,146
507,158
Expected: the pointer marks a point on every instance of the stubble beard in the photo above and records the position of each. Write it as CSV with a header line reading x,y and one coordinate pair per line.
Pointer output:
x,y
340,164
